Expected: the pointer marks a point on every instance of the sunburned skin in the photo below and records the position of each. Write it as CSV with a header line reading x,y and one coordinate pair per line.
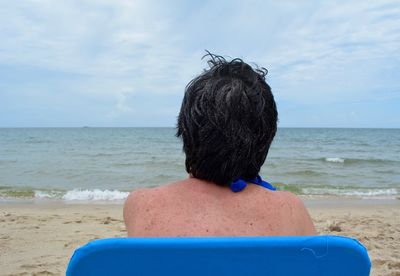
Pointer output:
x,y
192,207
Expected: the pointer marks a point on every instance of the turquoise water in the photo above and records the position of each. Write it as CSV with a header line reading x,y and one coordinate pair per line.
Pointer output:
x,y
105,163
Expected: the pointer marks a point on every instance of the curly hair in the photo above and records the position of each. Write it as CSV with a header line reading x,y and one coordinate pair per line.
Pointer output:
x,y
227,121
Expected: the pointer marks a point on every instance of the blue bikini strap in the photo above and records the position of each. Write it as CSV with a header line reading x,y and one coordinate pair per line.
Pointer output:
x,y
240,184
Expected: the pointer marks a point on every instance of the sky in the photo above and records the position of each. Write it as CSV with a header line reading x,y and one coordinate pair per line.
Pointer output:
x,y
126,63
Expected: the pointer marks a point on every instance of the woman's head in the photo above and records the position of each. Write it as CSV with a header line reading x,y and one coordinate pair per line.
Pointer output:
x,y
227,121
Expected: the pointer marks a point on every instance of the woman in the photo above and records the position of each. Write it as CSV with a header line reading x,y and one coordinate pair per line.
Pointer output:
x,y
227,122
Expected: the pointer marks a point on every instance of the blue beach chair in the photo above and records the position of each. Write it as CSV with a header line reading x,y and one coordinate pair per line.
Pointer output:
x,y
253,256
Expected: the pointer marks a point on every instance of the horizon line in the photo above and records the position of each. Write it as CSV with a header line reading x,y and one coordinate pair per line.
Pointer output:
x,y
301,127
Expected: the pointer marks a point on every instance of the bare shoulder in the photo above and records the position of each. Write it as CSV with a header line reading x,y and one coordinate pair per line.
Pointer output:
x,y
144,204
297,212
133,202
139,198
290,198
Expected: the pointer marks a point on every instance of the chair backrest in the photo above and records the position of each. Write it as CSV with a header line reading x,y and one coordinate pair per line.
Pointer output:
x,y
316,255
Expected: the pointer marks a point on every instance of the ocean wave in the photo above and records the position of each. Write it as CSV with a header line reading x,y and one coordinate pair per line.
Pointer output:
x,y
9,192
334,159
358,160
371,193
104,154
94,195
90,195
40,194
352,192
123,165
306,173
346,191
71,195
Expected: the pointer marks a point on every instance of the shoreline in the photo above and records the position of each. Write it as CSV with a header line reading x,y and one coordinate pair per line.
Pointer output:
x,y
39,238
309,201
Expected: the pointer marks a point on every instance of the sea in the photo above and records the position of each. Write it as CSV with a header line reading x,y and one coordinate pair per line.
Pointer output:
x,y
103,164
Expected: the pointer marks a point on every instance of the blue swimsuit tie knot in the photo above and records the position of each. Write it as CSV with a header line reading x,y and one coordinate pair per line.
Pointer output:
x,y
240,184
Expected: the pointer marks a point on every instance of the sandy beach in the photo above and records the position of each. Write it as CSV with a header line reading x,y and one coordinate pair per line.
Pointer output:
x,y
39,238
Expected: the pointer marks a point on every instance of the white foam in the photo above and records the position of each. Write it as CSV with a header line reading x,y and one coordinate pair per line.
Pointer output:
x,y
363,193
334,159
41,194
93,195
371,193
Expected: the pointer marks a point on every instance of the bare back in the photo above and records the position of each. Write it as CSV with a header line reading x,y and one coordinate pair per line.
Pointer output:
x,y
194,207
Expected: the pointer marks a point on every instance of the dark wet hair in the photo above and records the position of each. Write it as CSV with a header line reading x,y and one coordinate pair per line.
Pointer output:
x,y
227,121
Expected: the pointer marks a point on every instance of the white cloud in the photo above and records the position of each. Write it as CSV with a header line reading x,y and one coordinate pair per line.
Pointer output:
x,y
341,48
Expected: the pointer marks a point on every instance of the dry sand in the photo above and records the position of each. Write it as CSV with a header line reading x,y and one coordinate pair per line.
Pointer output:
x,y
39,239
